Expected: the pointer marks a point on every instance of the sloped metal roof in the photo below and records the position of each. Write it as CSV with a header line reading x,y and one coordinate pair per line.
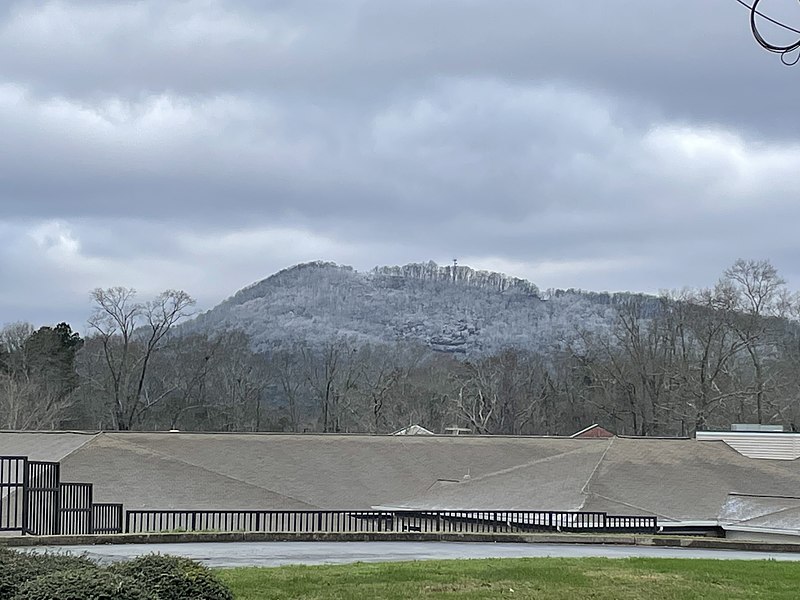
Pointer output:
x,y
761,511
42,445
675,479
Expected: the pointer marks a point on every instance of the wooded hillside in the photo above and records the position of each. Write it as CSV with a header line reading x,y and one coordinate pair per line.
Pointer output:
x,y
320,347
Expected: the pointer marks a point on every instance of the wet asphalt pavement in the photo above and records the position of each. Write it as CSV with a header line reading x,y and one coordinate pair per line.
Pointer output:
x,y
271,554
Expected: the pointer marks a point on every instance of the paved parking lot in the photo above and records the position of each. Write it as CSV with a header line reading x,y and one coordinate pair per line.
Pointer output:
x,y
271,554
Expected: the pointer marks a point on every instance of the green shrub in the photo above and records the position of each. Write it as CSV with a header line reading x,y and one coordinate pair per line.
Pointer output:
x,y
174,578
18,567
83,584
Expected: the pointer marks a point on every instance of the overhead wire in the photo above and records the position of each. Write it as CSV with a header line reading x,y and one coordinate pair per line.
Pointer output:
x,y
789,53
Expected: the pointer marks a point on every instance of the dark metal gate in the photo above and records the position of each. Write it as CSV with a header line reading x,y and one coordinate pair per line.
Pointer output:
x,y
34,501
12,486
42,495
107,518
75,509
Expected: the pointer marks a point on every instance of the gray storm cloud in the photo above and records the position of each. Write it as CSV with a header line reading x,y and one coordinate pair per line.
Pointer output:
x,y
205,144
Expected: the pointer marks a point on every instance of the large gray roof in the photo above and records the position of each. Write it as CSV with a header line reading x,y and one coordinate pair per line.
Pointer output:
x,y
682,479
325,471
542,482
773,512
143,477
673,478
45,445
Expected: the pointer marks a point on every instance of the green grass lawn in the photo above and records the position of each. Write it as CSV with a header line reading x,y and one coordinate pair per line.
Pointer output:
x,y
546,578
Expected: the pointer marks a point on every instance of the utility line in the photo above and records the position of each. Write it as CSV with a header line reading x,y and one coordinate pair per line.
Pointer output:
x,y
752,9
786,50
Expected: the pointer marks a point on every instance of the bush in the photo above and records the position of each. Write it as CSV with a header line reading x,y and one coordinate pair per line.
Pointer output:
x,y
16,568
174,578
82,584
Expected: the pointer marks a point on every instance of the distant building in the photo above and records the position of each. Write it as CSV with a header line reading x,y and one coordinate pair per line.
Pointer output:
x,y
455,430
593,431
413,430
757,441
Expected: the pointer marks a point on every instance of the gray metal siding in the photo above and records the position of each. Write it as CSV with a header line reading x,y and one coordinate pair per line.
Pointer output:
x,y
771,446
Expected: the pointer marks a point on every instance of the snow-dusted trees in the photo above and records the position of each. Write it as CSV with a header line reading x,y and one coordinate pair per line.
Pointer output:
x,y
695,359
321,348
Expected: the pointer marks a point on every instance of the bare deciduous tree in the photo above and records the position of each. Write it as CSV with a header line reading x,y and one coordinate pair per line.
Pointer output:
x,y
130,333
758,293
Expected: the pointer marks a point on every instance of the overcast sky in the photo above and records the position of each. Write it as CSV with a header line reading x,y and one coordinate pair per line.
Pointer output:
x,y
204,145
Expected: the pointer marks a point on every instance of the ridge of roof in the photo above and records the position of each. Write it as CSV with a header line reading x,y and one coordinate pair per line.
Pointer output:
x,y
311,434
634,506
657,437
92,439
315,434
174,459
776,496
76,441
91,432
768,514
585,487
749,433
519,466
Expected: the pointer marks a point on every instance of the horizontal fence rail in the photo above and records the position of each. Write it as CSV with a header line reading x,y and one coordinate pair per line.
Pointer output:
x,y
475,521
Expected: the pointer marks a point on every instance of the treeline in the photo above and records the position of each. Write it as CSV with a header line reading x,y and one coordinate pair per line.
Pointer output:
x,y
661,366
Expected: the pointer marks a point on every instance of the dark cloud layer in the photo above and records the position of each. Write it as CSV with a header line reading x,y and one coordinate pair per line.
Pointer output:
x,y
206,143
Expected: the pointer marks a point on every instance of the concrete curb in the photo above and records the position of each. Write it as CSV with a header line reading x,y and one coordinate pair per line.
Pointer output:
x,y
538,538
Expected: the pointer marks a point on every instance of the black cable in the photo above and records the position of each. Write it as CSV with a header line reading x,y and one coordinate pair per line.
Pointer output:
x,y
752,9
784,51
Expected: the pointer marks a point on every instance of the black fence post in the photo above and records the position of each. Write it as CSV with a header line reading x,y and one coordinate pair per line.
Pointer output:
x,y
25,497
90,520
57,501
118,520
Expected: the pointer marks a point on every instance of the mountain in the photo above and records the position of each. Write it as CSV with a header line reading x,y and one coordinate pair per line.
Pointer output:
x,y
448,308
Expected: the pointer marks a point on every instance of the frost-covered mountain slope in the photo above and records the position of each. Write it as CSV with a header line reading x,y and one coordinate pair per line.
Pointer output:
x,y
451,309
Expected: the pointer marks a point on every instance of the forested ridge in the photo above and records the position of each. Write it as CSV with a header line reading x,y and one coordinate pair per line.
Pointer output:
x,y
321,347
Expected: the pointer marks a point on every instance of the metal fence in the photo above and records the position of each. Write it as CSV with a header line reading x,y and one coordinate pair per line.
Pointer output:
x,y
75,510
12,485
107,518
628,523
42,498
34,501
155,521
